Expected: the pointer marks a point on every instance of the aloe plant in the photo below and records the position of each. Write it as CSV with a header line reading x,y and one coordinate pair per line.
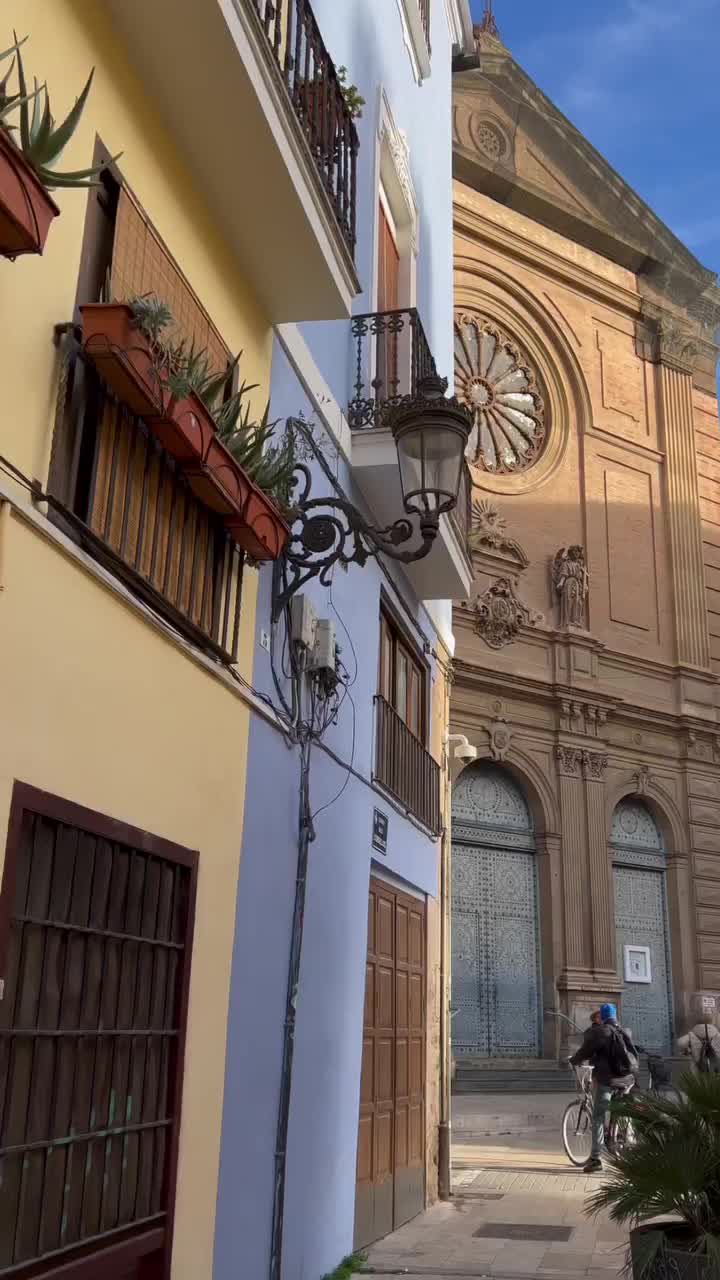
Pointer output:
x,y
9,101
184,368
41,141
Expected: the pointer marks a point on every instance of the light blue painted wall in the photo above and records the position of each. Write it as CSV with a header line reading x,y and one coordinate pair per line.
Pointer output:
x,y
367,39
320,1189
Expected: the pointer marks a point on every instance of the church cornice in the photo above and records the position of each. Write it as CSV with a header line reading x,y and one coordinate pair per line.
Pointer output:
x,y
473,222
642,241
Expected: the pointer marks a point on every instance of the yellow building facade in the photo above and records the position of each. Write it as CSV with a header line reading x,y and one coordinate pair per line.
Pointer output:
x,y
107,703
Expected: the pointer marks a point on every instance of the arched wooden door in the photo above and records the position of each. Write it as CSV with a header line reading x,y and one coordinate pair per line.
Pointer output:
x,y
641,925
496,986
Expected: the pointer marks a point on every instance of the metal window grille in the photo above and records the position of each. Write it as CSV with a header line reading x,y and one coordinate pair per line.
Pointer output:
x,y
119,494
97,939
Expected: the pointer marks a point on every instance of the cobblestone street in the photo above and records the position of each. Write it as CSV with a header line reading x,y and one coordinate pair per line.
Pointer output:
x,y
518,1205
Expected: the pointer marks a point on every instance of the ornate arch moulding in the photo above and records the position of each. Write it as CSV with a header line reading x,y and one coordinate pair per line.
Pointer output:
x,y
490,294
537,787
641,783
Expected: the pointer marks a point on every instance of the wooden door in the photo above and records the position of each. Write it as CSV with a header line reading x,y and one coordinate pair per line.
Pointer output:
x,y
387,372
95,942
391,1130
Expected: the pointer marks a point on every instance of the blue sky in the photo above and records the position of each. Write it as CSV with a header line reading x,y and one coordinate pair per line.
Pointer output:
x,y
641,80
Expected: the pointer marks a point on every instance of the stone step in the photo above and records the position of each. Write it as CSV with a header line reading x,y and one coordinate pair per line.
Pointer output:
x,y
502,1075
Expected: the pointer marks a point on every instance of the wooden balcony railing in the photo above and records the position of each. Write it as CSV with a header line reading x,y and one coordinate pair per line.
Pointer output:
x,y
391,355
404,768
318,100
114,490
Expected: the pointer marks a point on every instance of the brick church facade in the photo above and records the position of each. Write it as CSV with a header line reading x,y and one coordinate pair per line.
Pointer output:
x,y
586,839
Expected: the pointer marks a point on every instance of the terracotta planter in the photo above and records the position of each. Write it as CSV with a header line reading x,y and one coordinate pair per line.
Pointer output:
x,y
678,1263
185,428
26,208
188,432
122,356
260,530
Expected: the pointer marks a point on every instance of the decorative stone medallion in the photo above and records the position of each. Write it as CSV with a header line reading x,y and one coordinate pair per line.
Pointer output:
x,y
500,614
494,379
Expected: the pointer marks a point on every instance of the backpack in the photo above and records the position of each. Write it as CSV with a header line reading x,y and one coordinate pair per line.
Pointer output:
x,y
707,1061
622,1054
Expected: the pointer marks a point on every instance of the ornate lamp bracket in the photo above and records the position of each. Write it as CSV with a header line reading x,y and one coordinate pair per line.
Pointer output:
x,y
328,531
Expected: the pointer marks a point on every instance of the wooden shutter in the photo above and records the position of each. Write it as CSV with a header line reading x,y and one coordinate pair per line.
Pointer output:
x,y
142,264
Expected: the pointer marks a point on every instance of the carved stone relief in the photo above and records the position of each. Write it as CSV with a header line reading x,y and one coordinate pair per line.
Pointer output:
x,y
594,764
500,614
569,761
699,748
500,738
642,779
490,530
583,717
570,580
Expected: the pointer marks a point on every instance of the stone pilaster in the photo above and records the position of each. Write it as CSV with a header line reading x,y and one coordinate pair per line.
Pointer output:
x,y
594,764
575,866
683,506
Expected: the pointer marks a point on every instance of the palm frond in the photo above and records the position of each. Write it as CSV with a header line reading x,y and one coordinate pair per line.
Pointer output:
x,y
672,1169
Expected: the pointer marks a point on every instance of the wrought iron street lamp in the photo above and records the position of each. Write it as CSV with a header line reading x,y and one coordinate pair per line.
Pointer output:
x,y
431,433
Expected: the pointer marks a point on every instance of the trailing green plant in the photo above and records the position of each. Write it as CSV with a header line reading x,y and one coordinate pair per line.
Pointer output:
x,y
672,1168
350,1266
181,368
354,100
41,141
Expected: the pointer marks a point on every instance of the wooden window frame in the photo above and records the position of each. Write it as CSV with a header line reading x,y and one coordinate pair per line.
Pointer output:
x,y
86,1260
392,632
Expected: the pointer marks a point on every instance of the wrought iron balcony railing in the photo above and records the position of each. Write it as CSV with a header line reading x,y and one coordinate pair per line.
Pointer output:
x,y
114,490
318,99
404,767
391,356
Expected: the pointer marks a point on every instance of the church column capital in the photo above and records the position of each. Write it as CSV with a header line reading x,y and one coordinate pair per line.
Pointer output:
x,y
569,761
594,764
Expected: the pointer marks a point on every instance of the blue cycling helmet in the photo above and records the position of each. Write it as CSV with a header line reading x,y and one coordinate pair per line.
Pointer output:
x,y
608,1012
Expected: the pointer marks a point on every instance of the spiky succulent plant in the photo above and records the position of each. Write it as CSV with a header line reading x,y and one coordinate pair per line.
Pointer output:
x,y
184,368
41,141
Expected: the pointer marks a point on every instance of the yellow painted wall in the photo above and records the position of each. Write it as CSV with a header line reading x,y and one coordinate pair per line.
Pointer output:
x,y
97,706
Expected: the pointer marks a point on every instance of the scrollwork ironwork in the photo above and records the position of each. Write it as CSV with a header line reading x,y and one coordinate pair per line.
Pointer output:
x,y
329,530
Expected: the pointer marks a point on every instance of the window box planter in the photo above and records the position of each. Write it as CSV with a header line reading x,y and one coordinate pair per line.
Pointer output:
x,y
26,208
188,432
259,528
123,357
185,428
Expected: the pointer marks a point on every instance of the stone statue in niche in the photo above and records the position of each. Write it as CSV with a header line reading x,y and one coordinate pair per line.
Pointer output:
x,y
570,580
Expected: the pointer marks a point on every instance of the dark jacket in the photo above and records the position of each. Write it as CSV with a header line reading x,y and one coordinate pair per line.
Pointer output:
x,y
595,1049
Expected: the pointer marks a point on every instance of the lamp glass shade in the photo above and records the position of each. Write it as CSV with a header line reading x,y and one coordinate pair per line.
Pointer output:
x,y
431,452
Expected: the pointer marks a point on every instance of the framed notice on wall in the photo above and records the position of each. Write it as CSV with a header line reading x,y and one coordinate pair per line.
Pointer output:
x,y
637,964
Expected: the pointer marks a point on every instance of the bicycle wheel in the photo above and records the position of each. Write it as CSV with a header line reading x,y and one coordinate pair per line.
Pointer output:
x,y
577,1131
622,1134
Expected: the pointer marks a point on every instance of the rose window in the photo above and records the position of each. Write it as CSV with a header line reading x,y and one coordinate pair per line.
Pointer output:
x,y
493,377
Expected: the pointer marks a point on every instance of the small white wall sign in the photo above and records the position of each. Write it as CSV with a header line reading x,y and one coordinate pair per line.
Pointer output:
x,y
637,964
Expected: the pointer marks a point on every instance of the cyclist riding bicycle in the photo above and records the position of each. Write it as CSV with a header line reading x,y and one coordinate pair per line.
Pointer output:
x,y
614,1059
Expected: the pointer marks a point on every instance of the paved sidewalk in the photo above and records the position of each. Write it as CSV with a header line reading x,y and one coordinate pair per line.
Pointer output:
x,y
520,1181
